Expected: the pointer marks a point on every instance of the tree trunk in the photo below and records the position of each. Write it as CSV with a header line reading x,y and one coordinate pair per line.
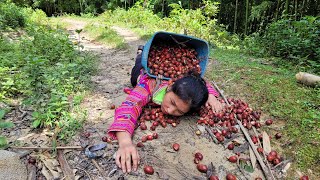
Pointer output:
x,y
235,18
145,3
219,17
302,8
163,7
287,8
80,3
247,13
277,10
295,9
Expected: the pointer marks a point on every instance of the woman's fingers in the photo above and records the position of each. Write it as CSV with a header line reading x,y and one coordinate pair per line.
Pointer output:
x,y
135,159
118,159
123,163
128,161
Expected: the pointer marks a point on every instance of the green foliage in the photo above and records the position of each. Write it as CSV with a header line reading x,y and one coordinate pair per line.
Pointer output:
x,y
11,16
45,69
258,12
298,42
47,44
4,124
35,17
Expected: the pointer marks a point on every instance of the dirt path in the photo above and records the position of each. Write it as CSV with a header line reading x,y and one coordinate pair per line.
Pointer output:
x,y
113,70
113,75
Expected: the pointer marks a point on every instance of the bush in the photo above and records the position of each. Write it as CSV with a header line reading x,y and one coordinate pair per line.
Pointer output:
x,y
297,41
44,69
11,16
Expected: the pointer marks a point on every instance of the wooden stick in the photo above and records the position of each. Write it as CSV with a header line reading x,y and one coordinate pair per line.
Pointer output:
x,y
58,147
211,135
262,164
264,156
67,171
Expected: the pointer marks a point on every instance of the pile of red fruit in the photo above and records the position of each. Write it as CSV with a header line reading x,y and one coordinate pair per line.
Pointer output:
x,y
223,124
157,117
172,61
273,157
227,118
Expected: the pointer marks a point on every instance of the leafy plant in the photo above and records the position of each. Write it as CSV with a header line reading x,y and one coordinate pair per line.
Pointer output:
x,y
4,124
11,16
46,71
296,41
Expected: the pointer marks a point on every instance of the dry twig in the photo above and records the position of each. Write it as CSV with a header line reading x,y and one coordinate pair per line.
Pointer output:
x,y
58,147
67,171
211,135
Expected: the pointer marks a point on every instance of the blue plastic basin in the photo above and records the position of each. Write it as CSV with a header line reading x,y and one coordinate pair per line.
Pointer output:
x,y
201,46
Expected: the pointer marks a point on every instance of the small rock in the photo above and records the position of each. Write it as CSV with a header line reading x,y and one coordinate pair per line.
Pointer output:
x,y
11,166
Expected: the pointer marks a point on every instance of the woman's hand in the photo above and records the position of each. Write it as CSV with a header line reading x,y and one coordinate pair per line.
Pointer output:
x,y
127,153
216,105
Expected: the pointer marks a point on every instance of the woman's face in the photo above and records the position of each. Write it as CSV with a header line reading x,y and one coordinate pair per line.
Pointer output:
x,y
173,105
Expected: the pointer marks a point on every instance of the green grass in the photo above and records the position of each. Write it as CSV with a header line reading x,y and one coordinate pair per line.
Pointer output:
x,y
274,90
105,35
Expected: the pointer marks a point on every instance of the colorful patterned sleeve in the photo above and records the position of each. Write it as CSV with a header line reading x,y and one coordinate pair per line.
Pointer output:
x,y
212,90
127,114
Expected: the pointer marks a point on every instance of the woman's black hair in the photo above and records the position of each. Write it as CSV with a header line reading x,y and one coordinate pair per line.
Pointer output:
x,y
192,89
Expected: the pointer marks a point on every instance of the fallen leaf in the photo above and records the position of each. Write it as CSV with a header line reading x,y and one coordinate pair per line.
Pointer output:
x,y
28,136
49,163
46,173
252,157
266,142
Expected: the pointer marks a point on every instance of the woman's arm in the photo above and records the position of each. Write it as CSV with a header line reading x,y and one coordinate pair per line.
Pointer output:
x,y
125,119
127,114
212,90
212,101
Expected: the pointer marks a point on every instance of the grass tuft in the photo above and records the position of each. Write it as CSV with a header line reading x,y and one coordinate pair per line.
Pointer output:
x,y
274,90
